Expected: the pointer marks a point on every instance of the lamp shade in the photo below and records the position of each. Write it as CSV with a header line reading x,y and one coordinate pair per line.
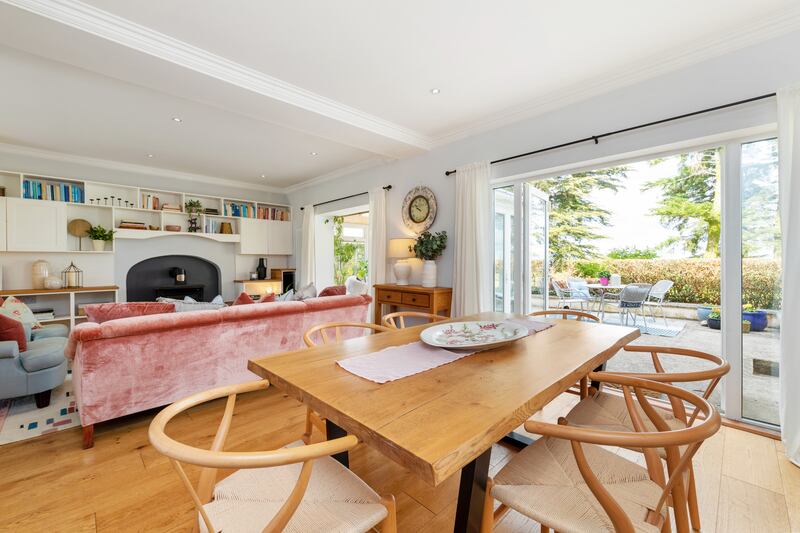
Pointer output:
x,y
398,248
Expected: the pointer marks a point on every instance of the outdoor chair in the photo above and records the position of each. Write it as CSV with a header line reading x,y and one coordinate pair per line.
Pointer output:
x,y
656,298
631,302
566,296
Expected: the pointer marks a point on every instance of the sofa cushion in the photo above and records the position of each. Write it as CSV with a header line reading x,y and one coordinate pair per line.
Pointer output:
x,y
243,299
50,330
267,298
12,330
303,293
356,286
100,313
335,290
44,353
187,305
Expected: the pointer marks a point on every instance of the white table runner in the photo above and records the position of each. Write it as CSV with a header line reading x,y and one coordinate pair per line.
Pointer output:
x,y
398,362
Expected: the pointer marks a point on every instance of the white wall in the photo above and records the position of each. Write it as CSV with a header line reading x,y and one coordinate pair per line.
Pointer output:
x,y
98,269
738,75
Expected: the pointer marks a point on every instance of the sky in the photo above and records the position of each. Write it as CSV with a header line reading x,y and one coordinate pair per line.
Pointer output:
x,y
631,224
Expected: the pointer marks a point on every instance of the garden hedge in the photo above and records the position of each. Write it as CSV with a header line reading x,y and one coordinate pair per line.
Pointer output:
x,y
698,280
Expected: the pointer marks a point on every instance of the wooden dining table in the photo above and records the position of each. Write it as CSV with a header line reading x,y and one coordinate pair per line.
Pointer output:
x,y
445,420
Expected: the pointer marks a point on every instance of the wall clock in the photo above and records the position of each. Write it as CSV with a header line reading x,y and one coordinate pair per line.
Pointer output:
x,y
419,209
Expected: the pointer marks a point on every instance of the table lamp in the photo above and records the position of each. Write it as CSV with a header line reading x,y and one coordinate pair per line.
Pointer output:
x,y
400,250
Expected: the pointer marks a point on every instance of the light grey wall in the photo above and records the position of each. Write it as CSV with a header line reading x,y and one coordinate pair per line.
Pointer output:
x,y
738,75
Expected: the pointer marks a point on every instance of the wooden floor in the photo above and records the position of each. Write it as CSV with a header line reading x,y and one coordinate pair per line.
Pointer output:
x,y
50,484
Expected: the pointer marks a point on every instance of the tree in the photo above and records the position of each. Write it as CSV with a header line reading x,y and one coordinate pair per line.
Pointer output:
x,y
574,218
690,202
349,258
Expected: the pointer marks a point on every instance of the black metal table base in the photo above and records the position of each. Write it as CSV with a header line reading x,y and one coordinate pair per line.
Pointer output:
x,y
471,494
334,432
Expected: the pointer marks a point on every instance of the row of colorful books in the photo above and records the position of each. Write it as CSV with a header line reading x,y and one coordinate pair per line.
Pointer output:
x,y
59,192
272,213
239,210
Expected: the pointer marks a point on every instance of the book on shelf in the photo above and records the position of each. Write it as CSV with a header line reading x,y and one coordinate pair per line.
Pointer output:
x,y
132,224
171,207
211,211
43,314
150,201
33,189
273,213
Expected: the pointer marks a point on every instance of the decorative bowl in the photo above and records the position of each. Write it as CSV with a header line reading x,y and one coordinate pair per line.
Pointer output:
x,y
172,227
472,335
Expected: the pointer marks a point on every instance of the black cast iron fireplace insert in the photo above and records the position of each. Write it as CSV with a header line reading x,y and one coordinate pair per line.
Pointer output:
x,y
151,278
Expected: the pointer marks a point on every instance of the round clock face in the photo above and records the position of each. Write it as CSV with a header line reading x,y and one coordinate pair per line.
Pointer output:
x,y
419,209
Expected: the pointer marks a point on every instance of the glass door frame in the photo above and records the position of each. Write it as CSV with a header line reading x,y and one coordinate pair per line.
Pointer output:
x,y
730,246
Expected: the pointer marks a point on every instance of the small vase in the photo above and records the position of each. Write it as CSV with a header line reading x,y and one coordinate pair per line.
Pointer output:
x,y
39,271
99,246
429,273
261,269
604,282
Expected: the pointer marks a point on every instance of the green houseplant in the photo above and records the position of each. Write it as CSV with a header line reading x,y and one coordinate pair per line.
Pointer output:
x,y
99,237
193,208
428,247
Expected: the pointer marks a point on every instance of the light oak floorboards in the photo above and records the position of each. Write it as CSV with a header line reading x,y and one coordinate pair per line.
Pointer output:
x,y
122,484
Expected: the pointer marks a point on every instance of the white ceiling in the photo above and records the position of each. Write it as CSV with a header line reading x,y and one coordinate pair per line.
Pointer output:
x,y
260,85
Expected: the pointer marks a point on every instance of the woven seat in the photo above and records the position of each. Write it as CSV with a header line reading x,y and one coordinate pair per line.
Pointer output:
x,y
543,482
336,500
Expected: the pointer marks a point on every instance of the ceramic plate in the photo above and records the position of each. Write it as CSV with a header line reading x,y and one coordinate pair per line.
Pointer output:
x,y
471,335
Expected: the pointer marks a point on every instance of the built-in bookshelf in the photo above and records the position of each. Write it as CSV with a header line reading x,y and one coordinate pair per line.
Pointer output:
x,y
141,213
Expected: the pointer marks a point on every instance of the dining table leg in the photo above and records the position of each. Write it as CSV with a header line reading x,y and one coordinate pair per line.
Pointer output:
x,y
334,432
471,494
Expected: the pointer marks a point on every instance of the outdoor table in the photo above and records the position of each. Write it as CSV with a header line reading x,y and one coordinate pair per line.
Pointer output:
x,y
603,289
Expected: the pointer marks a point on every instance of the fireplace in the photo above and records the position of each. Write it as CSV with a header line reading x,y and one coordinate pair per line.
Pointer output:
x,y
157,276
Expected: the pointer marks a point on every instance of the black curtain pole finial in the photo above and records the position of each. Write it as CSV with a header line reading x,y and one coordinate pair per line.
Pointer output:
x,y
385,188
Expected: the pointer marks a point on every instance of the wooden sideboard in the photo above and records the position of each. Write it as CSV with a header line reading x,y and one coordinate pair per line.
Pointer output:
x,y
433,300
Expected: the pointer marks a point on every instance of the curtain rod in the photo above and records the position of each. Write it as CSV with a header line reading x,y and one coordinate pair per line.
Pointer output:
x,y
596,138
387,188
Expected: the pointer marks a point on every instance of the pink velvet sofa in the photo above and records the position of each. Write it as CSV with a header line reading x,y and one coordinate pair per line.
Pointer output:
x,y
128,365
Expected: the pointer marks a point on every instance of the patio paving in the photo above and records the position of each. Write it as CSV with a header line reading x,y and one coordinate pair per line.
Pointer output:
x,y
761,392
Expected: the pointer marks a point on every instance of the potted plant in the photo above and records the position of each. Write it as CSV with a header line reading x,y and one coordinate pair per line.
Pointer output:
x,y
604,276
99,237
193,208
714,319
428,247
757,317
703,311
746,326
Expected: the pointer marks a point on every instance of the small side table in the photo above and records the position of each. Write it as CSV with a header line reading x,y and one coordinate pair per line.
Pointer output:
x,y
433,300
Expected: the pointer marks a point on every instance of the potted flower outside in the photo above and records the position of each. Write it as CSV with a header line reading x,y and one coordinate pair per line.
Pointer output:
x,y
714,320
757,317
746,326
703,311
99,237
428,247
604,276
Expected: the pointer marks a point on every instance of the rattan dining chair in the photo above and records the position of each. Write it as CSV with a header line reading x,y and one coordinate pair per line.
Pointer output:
x,y
566,314
393,319
567,481
321,332
607,410
298,488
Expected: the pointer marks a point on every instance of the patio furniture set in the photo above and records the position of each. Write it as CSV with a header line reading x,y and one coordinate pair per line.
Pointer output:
x,y
627,299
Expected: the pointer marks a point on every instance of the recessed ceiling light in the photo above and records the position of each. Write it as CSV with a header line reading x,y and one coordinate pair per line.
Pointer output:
x,y
312,153
177,119
150,156
263,175
435,91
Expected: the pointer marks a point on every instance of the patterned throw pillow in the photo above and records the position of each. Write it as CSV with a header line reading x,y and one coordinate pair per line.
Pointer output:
x,y
14,308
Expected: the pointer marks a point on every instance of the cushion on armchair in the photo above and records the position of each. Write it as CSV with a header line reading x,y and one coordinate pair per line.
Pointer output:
x,y
15,308
42,354
12,330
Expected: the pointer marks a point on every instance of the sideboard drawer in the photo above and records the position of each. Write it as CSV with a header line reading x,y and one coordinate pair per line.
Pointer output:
x,y
421,300
390,296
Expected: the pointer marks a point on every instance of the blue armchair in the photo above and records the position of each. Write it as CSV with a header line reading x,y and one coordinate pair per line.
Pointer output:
x,y
39,369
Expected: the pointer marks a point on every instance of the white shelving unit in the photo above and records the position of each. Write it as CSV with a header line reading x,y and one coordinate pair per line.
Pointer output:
x,y
37,209
65,303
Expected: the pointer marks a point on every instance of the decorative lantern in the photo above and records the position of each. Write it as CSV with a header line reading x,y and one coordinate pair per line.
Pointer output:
x,y
72,276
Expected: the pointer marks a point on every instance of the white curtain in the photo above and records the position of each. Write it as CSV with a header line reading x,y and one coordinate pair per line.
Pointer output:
x,y
471,272
789,180
376,239
307,258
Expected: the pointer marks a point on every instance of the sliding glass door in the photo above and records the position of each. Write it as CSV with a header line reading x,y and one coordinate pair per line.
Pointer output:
x,y
704,220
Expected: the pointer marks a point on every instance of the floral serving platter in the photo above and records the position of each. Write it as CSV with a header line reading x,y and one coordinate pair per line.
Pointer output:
x,y
472,335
